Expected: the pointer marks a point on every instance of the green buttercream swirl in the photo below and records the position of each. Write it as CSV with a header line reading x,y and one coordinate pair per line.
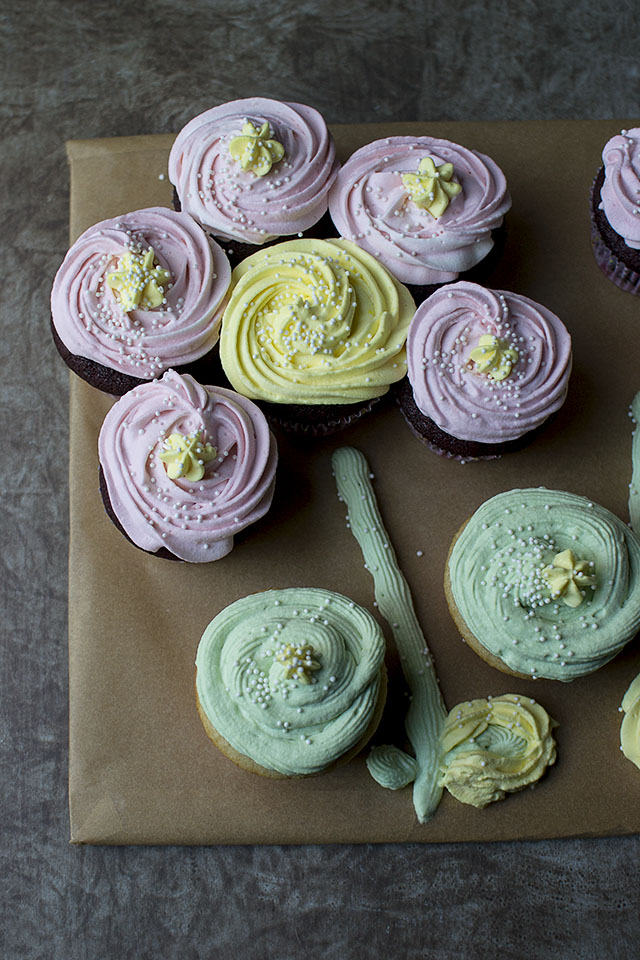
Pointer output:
x,y
292,727
427,711
495,569
634,486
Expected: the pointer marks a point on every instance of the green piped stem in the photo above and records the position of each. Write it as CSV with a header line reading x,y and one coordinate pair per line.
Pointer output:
x,y
427,712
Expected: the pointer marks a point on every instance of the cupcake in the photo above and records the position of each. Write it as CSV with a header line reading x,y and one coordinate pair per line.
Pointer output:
x,y
426,208
486,368
314,331
184,468
543,583
615,211
291,682
252,171
137,295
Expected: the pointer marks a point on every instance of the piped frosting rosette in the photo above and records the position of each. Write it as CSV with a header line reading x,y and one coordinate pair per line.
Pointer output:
x,y
314,322
495,746
487,365
180,289
547,581
621,188
186,466
291,678
373,203
244,181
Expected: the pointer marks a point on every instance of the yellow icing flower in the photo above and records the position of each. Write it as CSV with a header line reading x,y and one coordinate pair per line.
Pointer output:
x,y
298,661
567,577
630,728
138,280
431,188
254,150
186,456
494,356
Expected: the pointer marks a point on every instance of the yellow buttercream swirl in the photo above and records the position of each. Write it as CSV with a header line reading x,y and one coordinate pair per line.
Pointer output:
x,y
494,356
630,727
432,188
138,280
568,577
255,150
495,746
185,456
314,322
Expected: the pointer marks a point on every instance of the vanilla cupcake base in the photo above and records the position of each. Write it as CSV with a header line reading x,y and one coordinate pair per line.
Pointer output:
x,y
250,766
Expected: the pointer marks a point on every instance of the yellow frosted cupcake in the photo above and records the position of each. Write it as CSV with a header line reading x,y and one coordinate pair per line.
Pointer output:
x,y
315,332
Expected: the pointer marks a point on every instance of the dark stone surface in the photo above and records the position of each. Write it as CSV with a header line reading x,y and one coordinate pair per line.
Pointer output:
x,y
70,69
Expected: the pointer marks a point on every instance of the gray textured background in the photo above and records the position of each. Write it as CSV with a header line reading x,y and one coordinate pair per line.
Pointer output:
x,y
77,70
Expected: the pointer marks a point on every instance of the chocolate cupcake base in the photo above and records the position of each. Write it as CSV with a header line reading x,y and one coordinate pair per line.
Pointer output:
x,y
619,262
429,433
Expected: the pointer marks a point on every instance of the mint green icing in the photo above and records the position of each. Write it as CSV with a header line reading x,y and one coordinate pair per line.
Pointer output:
x,y
427,711
391,767
495,570
292,727
634,486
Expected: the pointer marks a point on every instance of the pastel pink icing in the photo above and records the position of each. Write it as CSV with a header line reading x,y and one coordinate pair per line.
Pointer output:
x,y
142,343
235,204
467,404
370,205
621,188
196,521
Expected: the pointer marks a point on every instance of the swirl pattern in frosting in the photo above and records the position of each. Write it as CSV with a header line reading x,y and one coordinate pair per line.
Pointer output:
x,y
236,204
450,388
314,322
620,194
291,727
194,520
371,205
88,314
495,746
495,574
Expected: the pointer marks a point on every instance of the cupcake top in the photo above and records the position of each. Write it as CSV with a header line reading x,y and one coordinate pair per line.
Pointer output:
x,y
547,581
314,322
186,466
487,365
291,677
141,292
621,188
425,207
256,169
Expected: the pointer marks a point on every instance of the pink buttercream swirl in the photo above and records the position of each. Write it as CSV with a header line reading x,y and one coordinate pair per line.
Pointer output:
x,y
621,188
446,383
196,521
235,204
89,318
370,205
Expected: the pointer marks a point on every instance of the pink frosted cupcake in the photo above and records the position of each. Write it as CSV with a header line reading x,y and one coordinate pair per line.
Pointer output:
x,y
254,171
615,211
426,208
486,368
138,294
184,468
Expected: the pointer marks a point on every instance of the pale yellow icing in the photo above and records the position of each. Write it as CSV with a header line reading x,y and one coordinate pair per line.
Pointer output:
x,y
630,727
568,577
185,456
138,280
255,150
494,356
298,660
314,322
432,188
495,746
